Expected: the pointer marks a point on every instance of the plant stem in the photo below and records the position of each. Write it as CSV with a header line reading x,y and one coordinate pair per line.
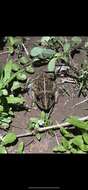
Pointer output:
x,y
57,126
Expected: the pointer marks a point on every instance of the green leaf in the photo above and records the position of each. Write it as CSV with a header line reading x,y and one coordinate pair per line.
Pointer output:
x,y
30,69
65,143
16,85
47,53
77,123
5,120
59,148
76,40
11,40
10,49
21,76
15,67
15,100
84,147
66,133
85,137
77,140
42,115
38,136
4,92
1,108
32,122
2,150
9,138
7,70
23,60
4,125
75,151
20,148
66,47
36,51
51,65
58,55
42,53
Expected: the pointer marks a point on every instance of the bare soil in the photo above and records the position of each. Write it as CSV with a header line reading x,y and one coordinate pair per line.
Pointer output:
x,y
61,111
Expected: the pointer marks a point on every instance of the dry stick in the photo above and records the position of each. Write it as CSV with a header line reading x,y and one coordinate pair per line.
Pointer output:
x,y
80,102
58,126
25,49
4,52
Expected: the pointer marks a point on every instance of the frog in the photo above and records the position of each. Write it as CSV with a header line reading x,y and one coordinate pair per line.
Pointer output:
x,y
44,91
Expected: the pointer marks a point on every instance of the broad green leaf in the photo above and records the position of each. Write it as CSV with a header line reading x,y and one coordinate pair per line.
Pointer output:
x,y
77,123
36,51
11,113
7,70
65,143
1,108
21,77
16,85
77,140
76,40
4,125
2,150
85,137
30,69
42,53
48,53
66,47
11,40
59,148
75,151
15,67
15,100
23,60
20,148
66,133
51,65
10,49
5,119
9,138
4,92
38,136
84,147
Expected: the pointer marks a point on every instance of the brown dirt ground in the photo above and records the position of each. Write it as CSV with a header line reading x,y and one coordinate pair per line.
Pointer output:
x,y
62,110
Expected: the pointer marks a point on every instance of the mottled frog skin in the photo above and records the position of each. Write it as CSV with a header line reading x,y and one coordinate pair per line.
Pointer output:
x,y
44,91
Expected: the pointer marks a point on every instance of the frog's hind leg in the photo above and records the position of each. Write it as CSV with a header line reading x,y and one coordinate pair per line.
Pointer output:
x,y
50,111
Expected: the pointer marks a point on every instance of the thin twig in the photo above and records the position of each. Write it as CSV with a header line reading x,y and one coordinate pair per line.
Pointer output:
x,y
4,52
57,126
29,142
80,102
25,49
